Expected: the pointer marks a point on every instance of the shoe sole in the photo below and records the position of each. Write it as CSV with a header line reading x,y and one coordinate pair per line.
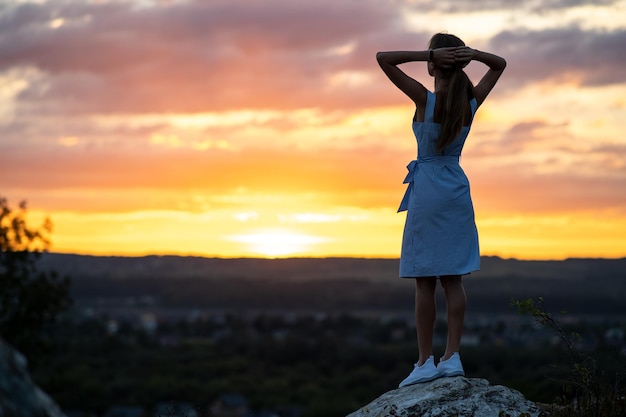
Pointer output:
x,y
454,373
421,380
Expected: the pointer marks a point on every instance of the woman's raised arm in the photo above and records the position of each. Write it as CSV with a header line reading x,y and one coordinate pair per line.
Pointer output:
x,y
496,66
389,62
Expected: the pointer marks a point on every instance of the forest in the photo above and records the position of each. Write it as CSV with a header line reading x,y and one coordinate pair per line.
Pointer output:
x,y
305,365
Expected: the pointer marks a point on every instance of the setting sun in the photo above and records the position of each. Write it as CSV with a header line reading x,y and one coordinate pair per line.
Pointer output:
x,y
277,243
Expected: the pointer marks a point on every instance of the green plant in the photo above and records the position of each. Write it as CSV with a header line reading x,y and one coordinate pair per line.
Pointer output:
x,y
30,299
594,386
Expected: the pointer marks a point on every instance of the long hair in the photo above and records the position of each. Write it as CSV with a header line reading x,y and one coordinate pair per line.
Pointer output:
x,y
457,94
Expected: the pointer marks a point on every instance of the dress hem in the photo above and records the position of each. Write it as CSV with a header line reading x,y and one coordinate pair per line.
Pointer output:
x,y
438,275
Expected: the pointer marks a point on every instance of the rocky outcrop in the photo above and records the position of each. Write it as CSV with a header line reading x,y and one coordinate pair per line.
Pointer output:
x,y
450,397
19,396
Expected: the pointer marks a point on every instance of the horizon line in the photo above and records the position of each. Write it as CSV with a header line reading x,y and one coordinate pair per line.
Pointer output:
x,y
206,256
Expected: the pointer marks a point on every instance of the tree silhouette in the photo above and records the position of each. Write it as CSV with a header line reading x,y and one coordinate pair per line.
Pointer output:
x,y
30,299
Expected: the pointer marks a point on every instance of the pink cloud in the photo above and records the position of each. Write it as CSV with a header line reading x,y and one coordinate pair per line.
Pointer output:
x,y
192,56
210,56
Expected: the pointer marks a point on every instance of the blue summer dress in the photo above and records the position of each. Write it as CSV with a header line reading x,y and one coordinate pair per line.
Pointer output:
x,y
440,236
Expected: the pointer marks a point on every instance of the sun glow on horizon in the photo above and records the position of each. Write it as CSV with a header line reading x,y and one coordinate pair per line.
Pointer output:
x,y
372,233
274,243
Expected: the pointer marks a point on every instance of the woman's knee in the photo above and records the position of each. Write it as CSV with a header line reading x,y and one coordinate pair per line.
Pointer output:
x,y
448,281
426,284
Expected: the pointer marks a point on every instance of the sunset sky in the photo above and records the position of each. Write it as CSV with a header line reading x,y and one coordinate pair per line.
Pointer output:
x,y
266,128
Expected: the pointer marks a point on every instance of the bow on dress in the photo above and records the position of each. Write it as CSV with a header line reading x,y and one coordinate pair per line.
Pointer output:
x,y
412,167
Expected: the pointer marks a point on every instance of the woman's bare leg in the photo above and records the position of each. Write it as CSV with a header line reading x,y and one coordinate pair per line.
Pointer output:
x,y
455,307
425,313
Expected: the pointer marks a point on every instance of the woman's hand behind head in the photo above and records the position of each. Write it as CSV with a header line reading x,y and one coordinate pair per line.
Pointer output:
x,y
443,57
463,55
453,57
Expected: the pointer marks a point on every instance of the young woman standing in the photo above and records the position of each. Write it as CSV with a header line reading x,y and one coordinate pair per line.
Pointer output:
x,y
440,239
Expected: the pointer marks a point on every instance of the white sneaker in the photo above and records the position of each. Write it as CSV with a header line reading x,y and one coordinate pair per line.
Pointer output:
x,y
452,366
427,372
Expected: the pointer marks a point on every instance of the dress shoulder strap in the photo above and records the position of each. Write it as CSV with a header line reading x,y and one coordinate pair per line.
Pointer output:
x,y
473,106
429,111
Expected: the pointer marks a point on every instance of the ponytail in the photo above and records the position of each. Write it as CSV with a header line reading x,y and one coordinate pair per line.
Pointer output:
x,y
456,107
459,92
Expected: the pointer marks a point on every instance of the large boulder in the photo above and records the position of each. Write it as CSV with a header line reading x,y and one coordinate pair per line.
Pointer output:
x,y
450,397
19,396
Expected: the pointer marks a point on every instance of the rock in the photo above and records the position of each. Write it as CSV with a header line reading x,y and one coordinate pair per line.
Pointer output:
x,y
19,396
450,397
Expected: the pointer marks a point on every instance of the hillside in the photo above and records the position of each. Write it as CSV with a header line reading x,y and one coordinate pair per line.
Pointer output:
x,y
582,286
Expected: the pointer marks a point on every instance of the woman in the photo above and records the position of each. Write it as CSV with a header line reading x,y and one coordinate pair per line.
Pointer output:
x,y
440,238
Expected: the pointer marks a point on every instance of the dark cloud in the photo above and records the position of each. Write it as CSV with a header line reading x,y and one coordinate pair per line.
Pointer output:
x,y
199,56
536,6
589,57
39,137
524,133
525,136
613,149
